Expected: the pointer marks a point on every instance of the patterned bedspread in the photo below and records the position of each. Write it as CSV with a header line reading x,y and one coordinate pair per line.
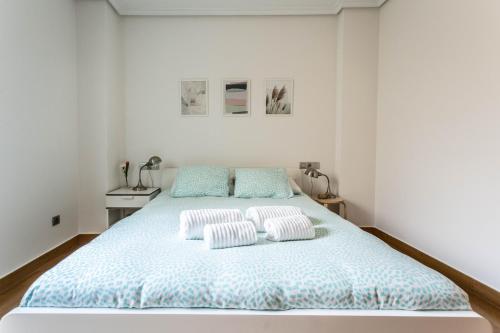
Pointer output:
x,y
141,263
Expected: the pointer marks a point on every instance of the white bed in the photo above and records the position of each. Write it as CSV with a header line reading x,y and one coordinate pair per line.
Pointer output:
x,y
58,320
45,320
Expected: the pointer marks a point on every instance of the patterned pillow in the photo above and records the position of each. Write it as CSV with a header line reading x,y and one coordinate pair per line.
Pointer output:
x,y
201,181
262,183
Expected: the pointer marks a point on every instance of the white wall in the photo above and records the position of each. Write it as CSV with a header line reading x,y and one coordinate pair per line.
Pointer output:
x,y
357,64
438,143
115,103
162,50
101,123
38,128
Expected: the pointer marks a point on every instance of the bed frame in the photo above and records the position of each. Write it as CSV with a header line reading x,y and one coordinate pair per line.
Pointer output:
x,y
56,320
59,320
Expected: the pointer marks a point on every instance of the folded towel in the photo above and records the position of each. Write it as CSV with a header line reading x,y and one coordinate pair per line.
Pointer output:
x,y
193,221
260,214
289,228
219,236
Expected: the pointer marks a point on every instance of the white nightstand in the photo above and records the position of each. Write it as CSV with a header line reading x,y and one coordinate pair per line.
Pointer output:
x,y
124,201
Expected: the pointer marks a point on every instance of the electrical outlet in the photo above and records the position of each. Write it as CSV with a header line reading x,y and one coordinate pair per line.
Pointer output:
x,y
56,220
305,165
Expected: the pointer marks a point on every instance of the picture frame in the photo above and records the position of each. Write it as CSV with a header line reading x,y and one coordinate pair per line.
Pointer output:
x,y
193,97
279,94
236,97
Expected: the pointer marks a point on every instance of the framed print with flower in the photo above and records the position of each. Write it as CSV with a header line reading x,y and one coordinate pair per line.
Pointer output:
x,y
279,97
194,97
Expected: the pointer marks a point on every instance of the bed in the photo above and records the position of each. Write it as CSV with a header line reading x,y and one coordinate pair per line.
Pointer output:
x,y
140,276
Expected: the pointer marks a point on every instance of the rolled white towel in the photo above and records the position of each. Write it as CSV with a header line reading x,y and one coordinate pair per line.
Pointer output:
x,y
259,215
192,222
289,228
222,235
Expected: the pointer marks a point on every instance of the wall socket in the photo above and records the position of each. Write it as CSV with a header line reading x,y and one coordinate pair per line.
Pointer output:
x,y
305,165
56,220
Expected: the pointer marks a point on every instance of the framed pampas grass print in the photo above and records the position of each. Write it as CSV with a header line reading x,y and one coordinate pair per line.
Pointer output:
x,y
236,97
279,97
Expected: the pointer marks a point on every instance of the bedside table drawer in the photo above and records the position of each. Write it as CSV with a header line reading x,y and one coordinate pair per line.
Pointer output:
x,y
126,201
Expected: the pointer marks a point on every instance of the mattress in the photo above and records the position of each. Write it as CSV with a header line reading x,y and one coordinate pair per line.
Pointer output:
x,y
141,262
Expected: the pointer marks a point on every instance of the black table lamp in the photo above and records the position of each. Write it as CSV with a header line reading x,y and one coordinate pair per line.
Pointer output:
x,y
314,173
153,161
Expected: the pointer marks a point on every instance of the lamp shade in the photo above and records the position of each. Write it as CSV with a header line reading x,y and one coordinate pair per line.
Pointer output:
x,y
154,160
311,172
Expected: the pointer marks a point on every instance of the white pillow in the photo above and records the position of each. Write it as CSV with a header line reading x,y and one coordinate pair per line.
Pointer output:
x,y
295,187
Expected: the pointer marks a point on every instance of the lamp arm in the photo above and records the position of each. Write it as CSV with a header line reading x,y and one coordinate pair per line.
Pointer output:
x,y
140,172
148,164
139,186
328,184
328,194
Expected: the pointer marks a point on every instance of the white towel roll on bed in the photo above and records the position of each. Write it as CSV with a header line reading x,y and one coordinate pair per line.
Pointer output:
x,y
259,215
289,228
222,235
192,222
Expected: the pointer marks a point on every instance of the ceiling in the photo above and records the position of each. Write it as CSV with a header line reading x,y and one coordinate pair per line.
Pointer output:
x,y
238,7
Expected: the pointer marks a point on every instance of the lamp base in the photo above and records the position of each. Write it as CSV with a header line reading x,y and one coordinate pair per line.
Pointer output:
x,y
139,188
326,196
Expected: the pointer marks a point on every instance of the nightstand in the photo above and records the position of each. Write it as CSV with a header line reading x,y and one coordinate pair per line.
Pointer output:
x,y
335,202
124,201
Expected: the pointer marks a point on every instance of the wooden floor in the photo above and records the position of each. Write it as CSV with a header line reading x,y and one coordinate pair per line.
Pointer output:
x,y
11,298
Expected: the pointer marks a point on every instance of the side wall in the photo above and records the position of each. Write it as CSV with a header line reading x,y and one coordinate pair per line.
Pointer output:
x,y
38,128
357,62
100,100
438,142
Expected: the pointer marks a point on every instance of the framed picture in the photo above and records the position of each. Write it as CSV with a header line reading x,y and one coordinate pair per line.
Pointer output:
x,y
279,97
194,97
236,97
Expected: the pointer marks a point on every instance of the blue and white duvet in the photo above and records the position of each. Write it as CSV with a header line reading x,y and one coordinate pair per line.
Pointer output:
x,y
141,263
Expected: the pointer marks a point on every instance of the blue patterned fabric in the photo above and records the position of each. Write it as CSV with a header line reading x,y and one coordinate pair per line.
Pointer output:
x,y
262,183
201,181
141,263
